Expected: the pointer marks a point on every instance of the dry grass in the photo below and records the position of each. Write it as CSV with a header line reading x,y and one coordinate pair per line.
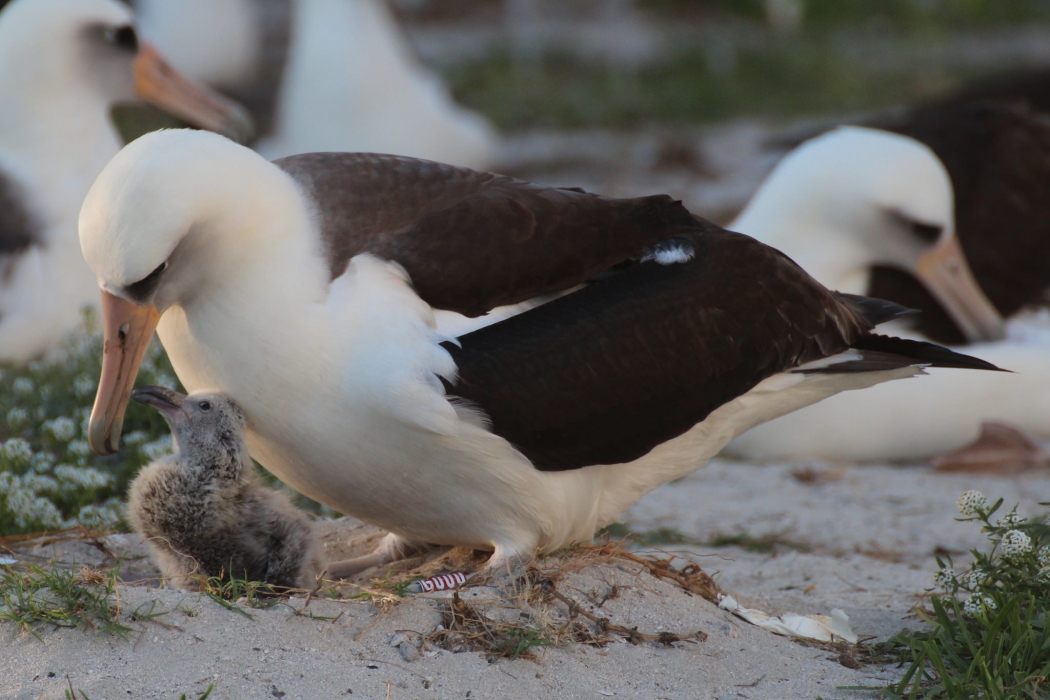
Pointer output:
x,y
540,613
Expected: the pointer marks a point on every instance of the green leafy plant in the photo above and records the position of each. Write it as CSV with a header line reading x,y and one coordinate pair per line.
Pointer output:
x,y
61,597
49,477
227,591
988,635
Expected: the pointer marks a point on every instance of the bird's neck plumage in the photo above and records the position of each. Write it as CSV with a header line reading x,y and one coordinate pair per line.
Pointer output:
x,y
215,41
260,294
802,227
56,134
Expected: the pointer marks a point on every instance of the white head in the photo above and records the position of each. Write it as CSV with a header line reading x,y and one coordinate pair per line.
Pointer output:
x,y
65,62
179,216
854,198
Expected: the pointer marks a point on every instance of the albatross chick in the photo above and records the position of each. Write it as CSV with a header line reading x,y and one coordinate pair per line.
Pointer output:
x,y
202,510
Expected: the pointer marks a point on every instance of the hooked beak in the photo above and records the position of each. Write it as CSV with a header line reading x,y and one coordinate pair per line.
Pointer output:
x,y
162,86
165,400
946,274
127,330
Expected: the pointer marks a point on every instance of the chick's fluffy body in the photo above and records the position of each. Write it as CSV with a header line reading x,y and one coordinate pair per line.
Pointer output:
x,y
203,511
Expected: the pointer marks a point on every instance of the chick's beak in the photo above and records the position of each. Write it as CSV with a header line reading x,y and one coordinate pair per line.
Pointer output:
x,y
127,331
162,86
945,272
165,400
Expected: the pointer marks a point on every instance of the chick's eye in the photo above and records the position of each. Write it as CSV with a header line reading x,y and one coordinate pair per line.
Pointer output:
x,y
205,405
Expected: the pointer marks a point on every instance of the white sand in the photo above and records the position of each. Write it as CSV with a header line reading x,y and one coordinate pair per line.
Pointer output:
x,y
871,532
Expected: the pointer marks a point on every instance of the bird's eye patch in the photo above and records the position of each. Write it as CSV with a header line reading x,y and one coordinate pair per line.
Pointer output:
x,y
929,233
144,287
205,405
123,37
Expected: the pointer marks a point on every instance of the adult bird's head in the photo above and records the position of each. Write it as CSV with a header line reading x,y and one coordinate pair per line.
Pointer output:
x,y
177,218
855,198
61,55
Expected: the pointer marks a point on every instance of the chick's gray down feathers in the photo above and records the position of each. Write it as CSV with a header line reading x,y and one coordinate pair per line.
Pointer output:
x,y
203,511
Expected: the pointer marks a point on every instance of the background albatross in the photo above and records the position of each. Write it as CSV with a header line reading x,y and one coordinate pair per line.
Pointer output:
x,y
306,291
871,212
63,65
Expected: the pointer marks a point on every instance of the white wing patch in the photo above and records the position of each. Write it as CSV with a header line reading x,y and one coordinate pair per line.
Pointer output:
x,y
670,255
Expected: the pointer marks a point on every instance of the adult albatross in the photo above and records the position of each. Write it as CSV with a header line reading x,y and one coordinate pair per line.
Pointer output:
x,y
306,289
856,201
63,65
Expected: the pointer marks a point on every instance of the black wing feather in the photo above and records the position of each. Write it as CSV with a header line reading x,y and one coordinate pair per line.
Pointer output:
x,y
603,375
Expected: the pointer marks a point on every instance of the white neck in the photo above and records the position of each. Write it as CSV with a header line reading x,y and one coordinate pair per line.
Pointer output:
x,y
214,41
55,132
791,225
262,284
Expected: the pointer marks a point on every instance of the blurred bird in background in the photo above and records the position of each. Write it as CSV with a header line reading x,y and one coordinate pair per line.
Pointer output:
x,y
320,75
63,65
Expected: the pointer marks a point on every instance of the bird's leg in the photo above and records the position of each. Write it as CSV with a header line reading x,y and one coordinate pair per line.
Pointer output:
x,y
391,548
508,564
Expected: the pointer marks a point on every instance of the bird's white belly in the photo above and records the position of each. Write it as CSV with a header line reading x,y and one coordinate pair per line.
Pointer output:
x,y
919,418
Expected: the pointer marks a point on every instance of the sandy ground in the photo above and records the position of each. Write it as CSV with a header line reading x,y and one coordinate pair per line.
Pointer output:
x,y
858,538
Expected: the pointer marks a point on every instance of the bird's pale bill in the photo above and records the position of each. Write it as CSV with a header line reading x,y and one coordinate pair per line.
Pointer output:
x,y
127,330
945,272
161,85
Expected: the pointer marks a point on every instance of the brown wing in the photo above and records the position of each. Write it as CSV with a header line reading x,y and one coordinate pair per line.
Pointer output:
x,y
605,374
472,241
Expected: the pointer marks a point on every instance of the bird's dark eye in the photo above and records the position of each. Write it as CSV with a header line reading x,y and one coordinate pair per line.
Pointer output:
x,y
123,37
205,405
144,287
928,233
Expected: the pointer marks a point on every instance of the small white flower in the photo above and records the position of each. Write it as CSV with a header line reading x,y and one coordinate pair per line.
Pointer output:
x,y
17,451
945,579
80,448
136,437
63,429
974,579
158,448
17,417
42,461
108,513
81,478
38,483
971,502
1015,544
1044,555
978,604
22,386
1044,574
84,385
30,509
1011,519
8,483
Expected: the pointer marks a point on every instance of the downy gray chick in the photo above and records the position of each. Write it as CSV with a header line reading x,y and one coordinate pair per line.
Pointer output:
x,y
202,510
